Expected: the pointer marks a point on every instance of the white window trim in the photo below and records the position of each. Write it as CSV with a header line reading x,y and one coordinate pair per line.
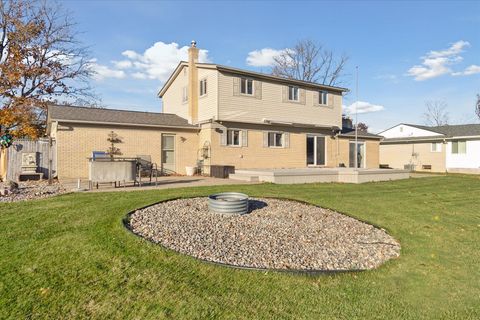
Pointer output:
x,y
316,136
283,139
298,94
246,93
320,93
436,143
240,138
458,153
185,94
200,87
364,151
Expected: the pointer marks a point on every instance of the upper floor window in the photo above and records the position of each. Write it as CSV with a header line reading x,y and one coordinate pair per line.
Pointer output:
x,y
203,87
246,86
436,147
459,147
233,137
323,98
185,94
275,139
293,93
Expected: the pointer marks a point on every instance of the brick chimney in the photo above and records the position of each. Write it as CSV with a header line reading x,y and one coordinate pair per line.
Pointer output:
x,y
193,83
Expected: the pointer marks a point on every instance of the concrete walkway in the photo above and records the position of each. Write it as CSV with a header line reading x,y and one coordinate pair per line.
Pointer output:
x,y
163,183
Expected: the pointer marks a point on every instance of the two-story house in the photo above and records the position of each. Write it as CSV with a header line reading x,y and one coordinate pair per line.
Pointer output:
x,y
218,115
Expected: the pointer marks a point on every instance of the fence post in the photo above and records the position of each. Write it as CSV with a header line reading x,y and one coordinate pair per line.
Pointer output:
x,y
3,164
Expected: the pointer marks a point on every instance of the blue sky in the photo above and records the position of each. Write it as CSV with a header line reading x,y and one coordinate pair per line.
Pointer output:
x,y
407,52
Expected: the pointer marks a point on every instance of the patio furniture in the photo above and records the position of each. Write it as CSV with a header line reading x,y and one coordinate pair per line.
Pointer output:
x,y
108,170
146,168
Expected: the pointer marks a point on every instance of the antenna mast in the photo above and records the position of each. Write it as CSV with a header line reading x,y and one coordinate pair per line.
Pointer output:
x,y
356,119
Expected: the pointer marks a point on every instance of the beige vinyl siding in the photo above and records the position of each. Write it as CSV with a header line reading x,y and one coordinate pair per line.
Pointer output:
x,y
272,106
207,104
419,154
75,143
173,97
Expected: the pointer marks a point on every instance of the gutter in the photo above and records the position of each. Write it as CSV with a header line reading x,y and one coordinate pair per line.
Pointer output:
x,y
282,123
360,136
386,141
297,125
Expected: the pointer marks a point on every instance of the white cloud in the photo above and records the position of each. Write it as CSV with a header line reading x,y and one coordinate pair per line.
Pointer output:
x,y
473,69
139,75
102,72
158,61
123,64
264,57
436,63
363,107
155,63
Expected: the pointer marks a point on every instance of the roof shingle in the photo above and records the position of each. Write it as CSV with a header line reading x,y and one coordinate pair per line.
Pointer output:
x,y
461,130
98,115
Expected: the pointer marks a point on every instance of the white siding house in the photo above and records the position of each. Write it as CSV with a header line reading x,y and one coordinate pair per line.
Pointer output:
x,y
451,148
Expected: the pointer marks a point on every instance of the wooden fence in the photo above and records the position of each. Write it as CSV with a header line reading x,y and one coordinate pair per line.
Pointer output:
x,y
39,147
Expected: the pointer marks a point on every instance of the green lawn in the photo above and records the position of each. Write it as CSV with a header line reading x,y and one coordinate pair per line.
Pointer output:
x,y
71,257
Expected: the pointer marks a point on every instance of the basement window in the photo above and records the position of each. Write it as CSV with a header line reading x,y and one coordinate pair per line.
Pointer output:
x,y
203,87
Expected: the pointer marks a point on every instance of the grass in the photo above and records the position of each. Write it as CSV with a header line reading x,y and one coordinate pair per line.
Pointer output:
x,y
71,257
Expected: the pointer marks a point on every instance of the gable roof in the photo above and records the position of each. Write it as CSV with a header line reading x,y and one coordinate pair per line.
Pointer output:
x,y
349,132
112,116
461,130
446,131
248,73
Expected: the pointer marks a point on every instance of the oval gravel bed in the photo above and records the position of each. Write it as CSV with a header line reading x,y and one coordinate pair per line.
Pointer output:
x,y
275,234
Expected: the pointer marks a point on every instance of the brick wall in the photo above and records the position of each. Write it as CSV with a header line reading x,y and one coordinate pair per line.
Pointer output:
x,y
76,142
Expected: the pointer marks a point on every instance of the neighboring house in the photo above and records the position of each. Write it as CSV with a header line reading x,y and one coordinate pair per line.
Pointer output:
x,y
449,148
217,115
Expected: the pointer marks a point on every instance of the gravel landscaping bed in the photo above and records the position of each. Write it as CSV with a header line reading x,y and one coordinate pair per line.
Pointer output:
x,y
29,190
275,234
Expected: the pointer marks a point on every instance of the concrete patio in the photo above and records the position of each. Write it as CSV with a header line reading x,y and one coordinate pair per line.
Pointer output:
x,y
312,175
166,182
252,176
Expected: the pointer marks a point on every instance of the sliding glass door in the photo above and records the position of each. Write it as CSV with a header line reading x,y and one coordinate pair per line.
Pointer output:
x,y
360,154
316,153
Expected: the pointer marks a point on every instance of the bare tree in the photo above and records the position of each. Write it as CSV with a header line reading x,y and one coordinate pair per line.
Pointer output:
x,y
362,127
436,113
477,106
309,61
41,61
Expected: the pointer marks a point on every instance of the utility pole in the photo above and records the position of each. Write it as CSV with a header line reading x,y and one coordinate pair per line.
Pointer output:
x,y
356,119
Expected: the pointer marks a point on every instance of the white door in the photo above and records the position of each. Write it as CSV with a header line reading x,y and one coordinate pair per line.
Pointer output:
x,y
168,153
